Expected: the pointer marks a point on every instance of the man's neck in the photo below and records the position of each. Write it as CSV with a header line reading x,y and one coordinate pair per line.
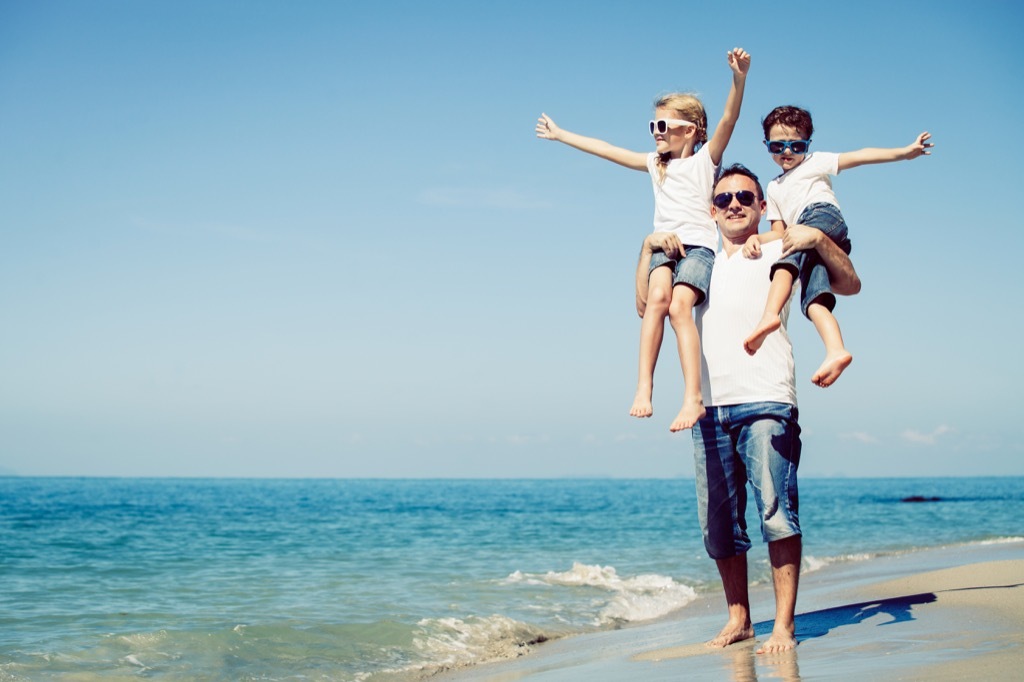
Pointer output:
x,y
731,246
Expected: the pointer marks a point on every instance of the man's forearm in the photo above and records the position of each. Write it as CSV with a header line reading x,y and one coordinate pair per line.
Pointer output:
x,y
642,278
841,274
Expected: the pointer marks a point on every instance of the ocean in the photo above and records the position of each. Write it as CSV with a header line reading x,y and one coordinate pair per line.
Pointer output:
x,y
367,580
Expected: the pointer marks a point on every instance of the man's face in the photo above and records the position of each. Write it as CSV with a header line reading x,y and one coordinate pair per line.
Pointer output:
x,y
737,221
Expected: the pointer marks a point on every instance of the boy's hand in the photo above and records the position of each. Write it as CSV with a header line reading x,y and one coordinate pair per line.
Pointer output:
x,y
752,247
546,128
739,61
919,147
666,242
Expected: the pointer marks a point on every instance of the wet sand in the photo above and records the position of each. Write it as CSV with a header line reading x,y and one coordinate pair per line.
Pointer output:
x,y
944,614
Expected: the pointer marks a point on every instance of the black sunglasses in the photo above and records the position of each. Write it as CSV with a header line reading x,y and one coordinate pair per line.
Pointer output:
x,y
744,196
797,146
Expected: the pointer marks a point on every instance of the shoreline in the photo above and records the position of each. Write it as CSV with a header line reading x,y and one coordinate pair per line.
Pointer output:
x,y
939,614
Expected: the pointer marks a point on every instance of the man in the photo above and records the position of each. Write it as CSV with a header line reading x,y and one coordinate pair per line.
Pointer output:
x,y
750,431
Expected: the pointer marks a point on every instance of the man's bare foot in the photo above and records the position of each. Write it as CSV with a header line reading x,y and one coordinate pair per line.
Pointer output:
x,y
766,326
642,406
732,633
777,643
833,366
693,410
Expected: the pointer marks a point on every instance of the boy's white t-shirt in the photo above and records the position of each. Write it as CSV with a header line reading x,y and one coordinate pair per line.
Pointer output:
x,y
682,203
809,183
735,304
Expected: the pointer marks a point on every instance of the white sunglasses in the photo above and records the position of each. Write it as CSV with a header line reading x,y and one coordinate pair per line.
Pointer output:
x,y
661,126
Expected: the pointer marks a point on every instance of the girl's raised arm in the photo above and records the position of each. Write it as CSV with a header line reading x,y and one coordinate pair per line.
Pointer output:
x,y
548,130
739,62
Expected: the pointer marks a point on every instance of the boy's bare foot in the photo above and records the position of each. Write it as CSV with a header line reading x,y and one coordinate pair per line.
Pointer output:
x,y
777,643
693,410
732,633
766,326
642,406
833,366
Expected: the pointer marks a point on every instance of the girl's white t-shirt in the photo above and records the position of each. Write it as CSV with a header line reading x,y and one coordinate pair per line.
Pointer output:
x,y
809,183
682,203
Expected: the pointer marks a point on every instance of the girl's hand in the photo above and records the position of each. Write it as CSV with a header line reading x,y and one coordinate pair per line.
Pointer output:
x,y
739,61
752,247
546,128
919,147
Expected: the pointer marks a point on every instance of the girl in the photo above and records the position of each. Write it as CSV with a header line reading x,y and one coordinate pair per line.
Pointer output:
x,y
683,169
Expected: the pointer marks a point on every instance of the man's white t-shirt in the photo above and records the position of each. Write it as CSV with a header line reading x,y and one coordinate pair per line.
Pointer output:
x,y
734,306
682,203
809,183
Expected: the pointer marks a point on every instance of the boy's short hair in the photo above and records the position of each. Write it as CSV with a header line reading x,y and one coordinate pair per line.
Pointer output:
x,y
740,169
791,117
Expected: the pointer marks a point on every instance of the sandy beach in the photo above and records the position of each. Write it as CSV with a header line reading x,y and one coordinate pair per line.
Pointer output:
x,y
953,613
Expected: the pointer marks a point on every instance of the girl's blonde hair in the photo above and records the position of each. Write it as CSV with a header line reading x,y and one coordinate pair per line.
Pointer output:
x,y
689,108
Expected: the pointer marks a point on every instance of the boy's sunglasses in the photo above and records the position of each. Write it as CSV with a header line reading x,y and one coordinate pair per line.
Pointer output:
x,y
661,126
744,196
795,146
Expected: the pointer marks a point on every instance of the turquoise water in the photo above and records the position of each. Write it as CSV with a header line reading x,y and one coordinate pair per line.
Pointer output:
x,y
372,579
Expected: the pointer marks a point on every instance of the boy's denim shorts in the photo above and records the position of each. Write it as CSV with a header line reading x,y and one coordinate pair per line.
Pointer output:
x,y
755,442
694,268
815,286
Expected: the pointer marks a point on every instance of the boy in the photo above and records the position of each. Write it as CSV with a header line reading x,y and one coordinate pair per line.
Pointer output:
x,y
803,195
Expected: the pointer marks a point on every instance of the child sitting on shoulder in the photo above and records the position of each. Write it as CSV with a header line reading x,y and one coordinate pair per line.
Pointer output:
x,y
683,167
803,195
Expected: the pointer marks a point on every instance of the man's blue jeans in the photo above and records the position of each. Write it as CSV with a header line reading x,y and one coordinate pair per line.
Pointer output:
x,y
755,442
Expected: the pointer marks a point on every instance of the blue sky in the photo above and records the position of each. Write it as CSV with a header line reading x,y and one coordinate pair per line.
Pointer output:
x,y
320,238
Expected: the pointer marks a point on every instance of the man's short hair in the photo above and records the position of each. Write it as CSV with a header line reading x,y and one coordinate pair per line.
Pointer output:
x,y
740,169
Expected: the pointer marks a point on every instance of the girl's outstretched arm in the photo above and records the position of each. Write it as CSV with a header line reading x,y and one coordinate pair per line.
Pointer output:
x,y
739,62
547,130
919,147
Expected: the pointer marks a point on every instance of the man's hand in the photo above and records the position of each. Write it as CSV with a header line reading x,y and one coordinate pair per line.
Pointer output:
x,y
667,242
800,238
752,247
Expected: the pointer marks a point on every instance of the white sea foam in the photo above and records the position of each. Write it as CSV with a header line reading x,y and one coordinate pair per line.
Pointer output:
x,y
812,563
635,599
1001,541
144,639
133,659
454,642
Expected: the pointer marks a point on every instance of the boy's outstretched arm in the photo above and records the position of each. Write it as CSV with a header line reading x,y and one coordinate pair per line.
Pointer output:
x,y
739,62
841,275
919,147
548,130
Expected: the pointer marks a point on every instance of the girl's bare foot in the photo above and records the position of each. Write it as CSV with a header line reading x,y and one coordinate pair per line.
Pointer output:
x,y
693,410
642,406
766,326
732,633
835,363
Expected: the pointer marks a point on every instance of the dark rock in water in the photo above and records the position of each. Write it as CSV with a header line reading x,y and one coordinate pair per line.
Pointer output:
x,y
920,498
